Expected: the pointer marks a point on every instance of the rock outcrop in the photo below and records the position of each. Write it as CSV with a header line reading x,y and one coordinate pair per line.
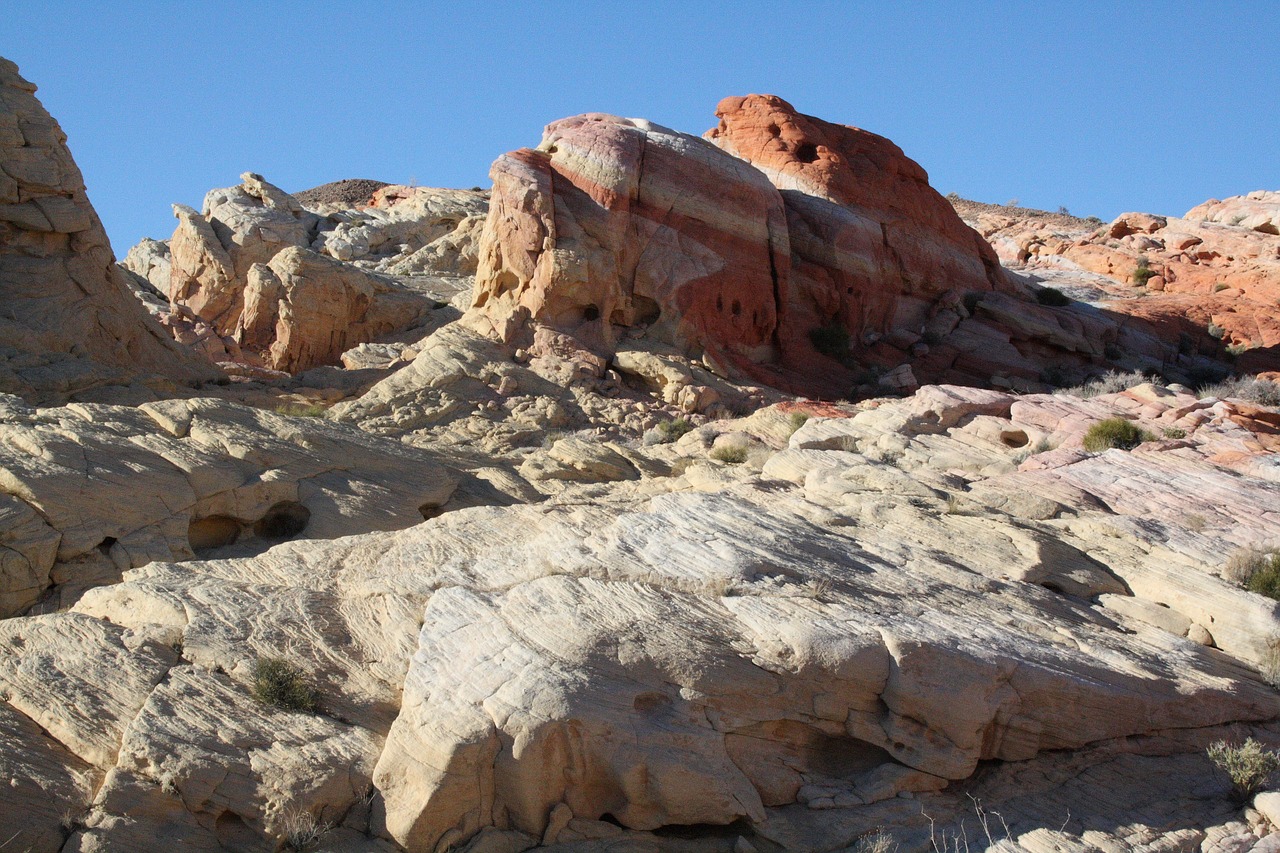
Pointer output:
x,y
88,491
290,289
1213,273
786,250
824,640
68,320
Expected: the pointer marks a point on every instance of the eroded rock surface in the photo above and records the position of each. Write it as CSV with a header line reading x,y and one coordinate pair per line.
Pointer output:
x,y
69,320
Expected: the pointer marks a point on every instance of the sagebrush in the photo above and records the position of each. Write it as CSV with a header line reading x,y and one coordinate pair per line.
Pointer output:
x,y
1248,765
1116,433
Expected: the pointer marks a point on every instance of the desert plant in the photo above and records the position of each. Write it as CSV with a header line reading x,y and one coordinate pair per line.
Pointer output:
x,y
1219,287
1215,331
729,454
1264,392
279,684
831,340
878,841
673,429
1143,273
1052,297
303,832
1265,579
1248,765
1174,432
1269,666
1119,433
1237,350
1111,382
797,420
301,410
1242,564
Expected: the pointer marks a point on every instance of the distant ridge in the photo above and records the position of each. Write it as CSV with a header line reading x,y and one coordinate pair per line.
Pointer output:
x,y
349,192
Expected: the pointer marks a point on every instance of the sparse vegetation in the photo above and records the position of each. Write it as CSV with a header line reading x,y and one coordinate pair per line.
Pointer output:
x,y
1052,297
731,455
1236,350
1248,765
878,841
301,410
302,832
1219,287
1269,666
672,430
1111,382
1265,580
1216,331
1117,433
1143,273
797,420
279,684
1174,432
1263,392
831,340
1243,564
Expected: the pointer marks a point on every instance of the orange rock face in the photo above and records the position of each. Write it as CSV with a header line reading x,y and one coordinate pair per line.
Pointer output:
x,y
739,247
614,223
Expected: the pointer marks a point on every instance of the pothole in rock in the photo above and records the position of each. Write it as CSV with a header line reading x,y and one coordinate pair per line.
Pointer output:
x,y
221,536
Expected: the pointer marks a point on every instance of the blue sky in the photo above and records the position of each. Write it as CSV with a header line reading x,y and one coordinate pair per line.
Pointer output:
x,y
1098,107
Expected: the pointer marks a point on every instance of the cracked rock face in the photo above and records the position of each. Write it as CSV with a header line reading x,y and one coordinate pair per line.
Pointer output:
x,y
819,633
88,491
68,321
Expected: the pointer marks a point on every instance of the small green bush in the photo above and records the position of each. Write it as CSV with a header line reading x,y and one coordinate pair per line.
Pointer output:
x,y
831,340
1265,579
1143,273
1264,392
672,430
1052,297
797,420
1115,432
279,684
1219,287
1249,765
1216,331
298,410
1174,432
731,455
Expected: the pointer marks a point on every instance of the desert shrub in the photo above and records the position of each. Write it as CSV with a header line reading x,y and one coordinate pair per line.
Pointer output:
x,y
300,410
1216,331
1265,579
1219,287
1115,432
1093,220
1111,382
1242,564
279,684
1236,350
1269,666
831,340
878,841
1264,392
797,420
1248,765
673,429
1143,273
731,455
302,832
1174,432
1052,297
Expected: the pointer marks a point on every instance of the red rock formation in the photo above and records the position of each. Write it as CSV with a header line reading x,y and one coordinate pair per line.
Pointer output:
x,y
616,222
873,245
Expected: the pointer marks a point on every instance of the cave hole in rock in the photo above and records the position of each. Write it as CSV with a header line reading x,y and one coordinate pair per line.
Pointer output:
x,y
774,130
285,519
104,547
646,310
214,531
429,511
736,307
740,827
609,818
234,834
591,312
1053,587
1014,438
806,152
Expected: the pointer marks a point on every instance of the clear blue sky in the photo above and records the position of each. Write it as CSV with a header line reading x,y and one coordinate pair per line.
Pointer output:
x,y
1100,107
